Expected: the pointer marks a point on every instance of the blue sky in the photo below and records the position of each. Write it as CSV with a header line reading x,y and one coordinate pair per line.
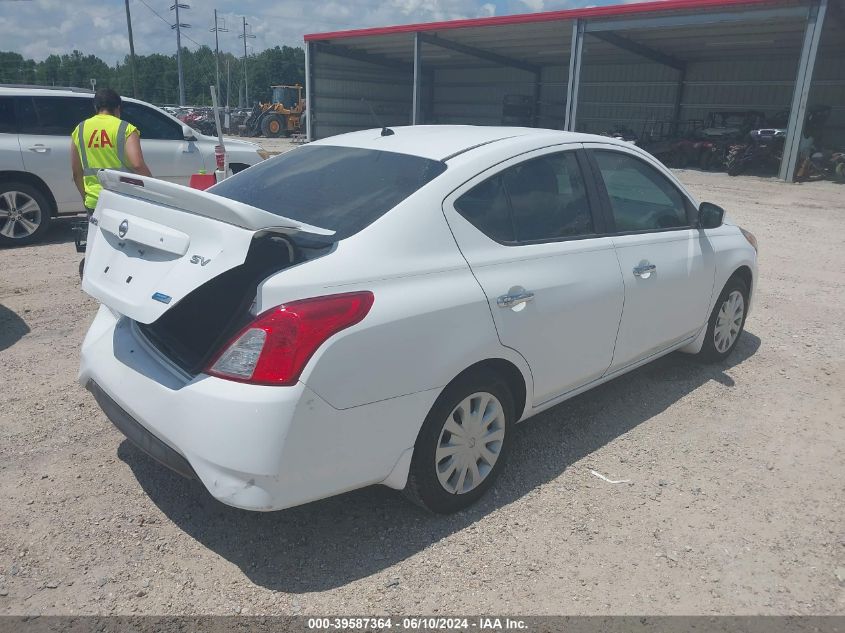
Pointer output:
x,y
37,28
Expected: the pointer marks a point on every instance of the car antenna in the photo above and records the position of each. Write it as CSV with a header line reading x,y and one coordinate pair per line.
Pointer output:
x,y
385,131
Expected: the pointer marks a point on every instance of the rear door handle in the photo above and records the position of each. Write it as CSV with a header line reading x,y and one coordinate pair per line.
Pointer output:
x,y
41,149
644,270
509,301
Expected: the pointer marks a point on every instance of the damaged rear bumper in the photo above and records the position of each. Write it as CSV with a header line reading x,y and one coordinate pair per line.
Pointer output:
x,y
254,447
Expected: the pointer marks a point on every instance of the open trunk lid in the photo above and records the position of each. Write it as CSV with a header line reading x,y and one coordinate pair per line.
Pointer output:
x,y
152,242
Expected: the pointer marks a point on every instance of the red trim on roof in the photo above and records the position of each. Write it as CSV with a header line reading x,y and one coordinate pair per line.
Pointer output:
x,y
546,16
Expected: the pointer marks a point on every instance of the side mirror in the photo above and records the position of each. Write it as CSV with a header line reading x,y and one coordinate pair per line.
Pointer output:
x,y
710,216
188,133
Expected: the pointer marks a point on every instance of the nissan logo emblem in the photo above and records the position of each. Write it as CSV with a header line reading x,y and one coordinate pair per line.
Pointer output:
x,y
123,228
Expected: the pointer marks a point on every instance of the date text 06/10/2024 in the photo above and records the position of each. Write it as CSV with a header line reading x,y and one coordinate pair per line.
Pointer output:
x,y
416,624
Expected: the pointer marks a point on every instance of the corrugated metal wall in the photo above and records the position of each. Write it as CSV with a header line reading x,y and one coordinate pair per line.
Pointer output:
x,y
637,95
341,83
473,96
630,95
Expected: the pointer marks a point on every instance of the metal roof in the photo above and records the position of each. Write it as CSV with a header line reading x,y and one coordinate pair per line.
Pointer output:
x,y
686,30
641,8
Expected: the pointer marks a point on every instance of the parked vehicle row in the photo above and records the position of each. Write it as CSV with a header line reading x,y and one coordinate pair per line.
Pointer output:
x,y
384,308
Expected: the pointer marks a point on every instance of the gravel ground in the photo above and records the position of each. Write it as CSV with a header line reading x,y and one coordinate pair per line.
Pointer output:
x,y
735,501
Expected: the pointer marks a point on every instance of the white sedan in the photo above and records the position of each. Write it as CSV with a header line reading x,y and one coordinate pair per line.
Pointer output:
x,y
384,306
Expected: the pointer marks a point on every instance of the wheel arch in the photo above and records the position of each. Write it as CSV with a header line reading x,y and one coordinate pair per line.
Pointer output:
x,y
33,180
506,370
744,273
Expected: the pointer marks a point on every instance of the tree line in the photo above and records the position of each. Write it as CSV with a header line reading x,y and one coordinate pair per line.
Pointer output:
x,y
157,76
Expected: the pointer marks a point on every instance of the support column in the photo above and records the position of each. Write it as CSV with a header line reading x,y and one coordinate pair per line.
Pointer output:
x,y
309,92
538,78
679,99
416,113
574,79
803,79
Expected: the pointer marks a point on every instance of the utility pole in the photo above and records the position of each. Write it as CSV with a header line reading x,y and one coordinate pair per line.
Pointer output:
x,y
244,37
217,28
228,83
179,26
131,51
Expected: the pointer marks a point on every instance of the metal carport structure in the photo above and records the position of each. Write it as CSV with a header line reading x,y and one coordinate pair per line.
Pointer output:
x,y
585,69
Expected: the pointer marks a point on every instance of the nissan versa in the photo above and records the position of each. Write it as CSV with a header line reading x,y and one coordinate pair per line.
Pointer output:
x,y
384,306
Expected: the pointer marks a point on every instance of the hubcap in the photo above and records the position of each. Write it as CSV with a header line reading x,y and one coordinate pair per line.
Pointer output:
x,y
20,215
470,443
729,321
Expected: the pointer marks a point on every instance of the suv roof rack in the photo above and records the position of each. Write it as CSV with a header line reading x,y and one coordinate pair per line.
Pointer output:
x,y
37,87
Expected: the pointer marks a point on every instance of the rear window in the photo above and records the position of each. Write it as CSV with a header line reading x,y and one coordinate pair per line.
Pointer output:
x,y
53,116
342,189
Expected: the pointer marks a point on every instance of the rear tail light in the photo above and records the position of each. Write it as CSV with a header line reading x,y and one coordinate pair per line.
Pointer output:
x,y
274,349
220,157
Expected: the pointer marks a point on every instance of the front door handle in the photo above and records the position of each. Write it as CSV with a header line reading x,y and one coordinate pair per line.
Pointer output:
x,y
41,149
644,270
509,301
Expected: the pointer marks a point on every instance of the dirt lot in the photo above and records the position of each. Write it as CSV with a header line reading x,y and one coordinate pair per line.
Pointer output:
x,y
735,505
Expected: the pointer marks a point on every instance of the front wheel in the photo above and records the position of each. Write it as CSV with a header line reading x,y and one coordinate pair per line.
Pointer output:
x,y
727,322
462,445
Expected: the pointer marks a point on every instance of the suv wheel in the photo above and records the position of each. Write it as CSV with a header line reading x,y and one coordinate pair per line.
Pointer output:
x,y
24,214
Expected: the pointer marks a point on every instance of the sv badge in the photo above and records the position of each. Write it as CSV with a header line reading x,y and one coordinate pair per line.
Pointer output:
x,y
199,259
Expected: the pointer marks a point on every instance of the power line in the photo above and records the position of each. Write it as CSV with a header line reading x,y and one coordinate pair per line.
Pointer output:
x,y
167,22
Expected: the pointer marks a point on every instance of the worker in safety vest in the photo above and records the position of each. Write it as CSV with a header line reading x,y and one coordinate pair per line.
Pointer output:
x,y
104,142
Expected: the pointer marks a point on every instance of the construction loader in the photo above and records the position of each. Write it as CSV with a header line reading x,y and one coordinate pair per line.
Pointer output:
x,y
280,117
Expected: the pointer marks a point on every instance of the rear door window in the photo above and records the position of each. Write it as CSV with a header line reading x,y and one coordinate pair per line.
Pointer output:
x,y
343,189
52,116
151,124
548,198
8,124
540,200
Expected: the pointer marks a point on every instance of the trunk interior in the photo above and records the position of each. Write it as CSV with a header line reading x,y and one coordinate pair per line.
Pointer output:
x,y
193,330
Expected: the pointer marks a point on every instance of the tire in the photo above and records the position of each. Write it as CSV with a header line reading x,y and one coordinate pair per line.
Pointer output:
x,y
735,167
25,213
716,346
272,126
434,485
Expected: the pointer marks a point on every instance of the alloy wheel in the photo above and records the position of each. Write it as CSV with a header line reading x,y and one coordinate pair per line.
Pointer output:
x,y
20,215
729,321
470,443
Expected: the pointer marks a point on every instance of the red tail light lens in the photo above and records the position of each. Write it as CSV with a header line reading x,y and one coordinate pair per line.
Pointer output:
x,y
220,157
274,349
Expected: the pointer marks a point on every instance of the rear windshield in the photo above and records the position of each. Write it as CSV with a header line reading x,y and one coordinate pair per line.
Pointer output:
x,y
342,189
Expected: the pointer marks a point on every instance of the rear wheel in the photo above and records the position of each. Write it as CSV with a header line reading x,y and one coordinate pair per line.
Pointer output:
x,y
272,126
727,321
462,445
24,213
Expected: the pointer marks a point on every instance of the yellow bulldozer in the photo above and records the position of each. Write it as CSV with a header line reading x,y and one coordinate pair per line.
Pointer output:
x,y
281,117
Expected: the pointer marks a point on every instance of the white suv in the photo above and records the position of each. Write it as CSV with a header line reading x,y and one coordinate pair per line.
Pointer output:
x,y
35,176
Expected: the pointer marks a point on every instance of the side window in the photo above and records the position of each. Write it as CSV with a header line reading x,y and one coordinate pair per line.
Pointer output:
x,y
548,198
8,124
540,199
641,198
151,124
486,207
52,116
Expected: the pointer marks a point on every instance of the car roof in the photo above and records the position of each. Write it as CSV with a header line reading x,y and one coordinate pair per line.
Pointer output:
x,y
442,142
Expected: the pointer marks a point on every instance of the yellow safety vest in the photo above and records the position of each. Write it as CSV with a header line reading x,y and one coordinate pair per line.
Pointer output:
x,y
101,143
